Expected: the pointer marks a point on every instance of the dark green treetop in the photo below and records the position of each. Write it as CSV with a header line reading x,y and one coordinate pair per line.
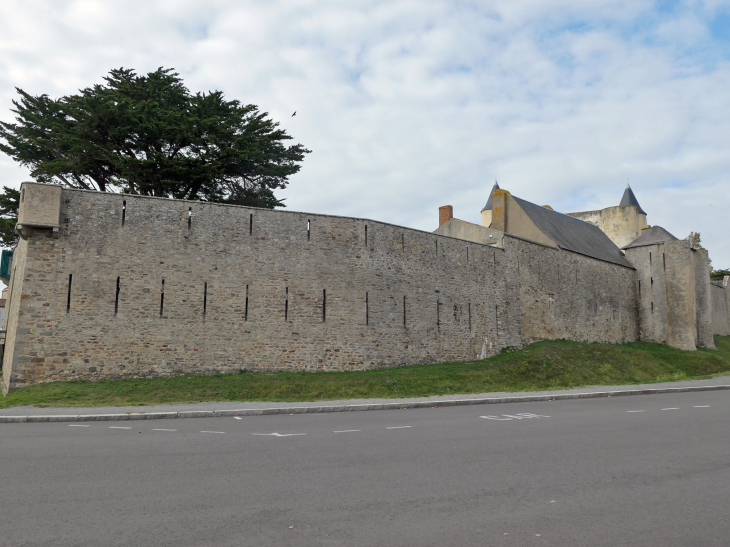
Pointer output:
x,y
149,135
9,203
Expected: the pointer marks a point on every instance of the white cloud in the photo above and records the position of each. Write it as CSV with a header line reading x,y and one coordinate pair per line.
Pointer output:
x,y
408,105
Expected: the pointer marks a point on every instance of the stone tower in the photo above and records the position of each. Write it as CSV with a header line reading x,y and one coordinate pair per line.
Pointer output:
x,y
487,211
623,223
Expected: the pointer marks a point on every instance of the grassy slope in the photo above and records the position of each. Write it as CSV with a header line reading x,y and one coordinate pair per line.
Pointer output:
x,y
544,365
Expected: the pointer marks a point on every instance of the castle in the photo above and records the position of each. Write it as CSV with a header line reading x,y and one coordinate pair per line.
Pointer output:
x,y
116,286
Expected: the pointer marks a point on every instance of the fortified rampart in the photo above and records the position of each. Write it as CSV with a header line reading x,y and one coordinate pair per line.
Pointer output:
x,y
720,296
132,286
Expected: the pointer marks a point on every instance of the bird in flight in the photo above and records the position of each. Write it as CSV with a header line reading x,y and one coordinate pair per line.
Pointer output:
x,y
295,113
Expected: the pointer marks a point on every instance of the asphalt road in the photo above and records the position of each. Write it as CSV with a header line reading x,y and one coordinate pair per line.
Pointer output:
x,y
645,470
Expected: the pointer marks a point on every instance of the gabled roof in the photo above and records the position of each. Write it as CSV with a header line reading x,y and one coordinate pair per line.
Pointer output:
x,y
488,206
654,235
572,234
630,199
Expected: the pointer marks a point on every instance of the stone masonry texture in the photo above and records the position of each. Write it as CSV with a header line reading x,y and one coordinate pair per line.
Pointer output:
x,y
146,287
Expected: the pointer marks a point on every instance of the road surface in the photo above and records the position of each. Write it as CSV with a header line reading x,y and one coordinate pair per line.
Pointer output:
x,y
640,471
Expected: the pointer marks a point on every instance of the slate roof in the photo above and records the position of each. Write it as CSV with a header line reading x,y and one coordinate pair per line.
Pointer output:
x,y
488,206
652,236
573,234
630,199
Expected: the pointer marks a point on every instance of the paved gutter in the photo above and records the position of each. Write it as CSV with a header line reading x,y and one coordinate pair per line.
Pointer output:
x,y
25,414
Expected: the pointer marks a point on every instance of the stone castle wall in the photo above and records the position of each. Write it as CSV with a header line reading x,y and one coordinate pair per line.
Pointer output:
x,y
622,224
259,289
720,297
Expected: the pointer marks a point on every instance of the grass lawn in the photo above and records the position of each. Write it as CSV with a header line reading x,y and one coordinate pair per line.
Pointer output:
x,y
550,364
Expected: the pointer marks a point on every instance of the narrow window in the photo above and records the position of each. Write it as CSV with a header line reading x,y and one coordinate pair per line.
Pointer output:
x,y
190,217
652,307
494,260
309,230
469,314
324,305
404,311
438,315
286,305
250,224
245,310
162,298
664,260
652,282
124,211
367,310
467,259
649,259
496,318
205,298
437,248
403,242
366,235
68,298
116,299
639,288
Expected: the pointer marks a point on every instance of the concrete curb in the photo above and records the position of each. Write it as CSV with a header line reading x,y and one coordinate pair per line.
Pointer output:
x,y
346,408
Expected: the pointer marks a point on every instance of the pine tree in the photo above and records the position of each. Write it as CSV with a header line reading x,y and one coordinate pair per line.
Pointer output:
x,y
149,135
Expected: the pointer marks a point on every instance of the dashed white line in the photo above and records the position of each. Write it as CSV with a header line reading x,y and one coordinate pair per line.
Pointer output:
x,y
237,418
671,408
164,430
347,431
118,427
399,427
77,425
212,431
278,434
702,406
636,411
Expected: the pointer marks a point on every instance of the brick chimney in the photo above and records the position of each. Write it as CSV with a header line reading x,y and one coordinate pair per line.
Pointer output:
x,y
446,213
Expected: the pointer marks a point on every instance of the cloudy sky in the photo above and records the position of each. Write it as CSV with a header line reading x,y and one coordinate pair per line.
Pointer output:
x,y
412,104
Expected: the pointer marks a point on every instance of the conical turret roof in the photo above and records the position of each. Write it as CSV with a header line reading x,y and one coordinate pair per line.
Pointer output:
x,y
488,206
630,199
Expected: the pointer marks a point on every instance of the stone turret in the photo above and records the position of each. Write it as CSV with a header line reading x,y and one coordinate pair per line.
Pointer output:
x,y
487,210
623,223
629,200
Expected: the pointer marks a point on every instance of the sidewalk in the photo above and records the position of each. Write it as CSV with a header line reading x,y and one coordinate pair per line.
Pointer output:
x,y
257,408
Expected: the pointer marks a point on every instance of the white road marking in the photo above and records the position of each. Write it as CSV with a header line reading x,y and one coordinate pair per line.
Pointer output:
x,y
164,430
118,427
671,408
212,431
399,427
347,431
278,434
77,425
519,416
702,406
636,411
237,418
